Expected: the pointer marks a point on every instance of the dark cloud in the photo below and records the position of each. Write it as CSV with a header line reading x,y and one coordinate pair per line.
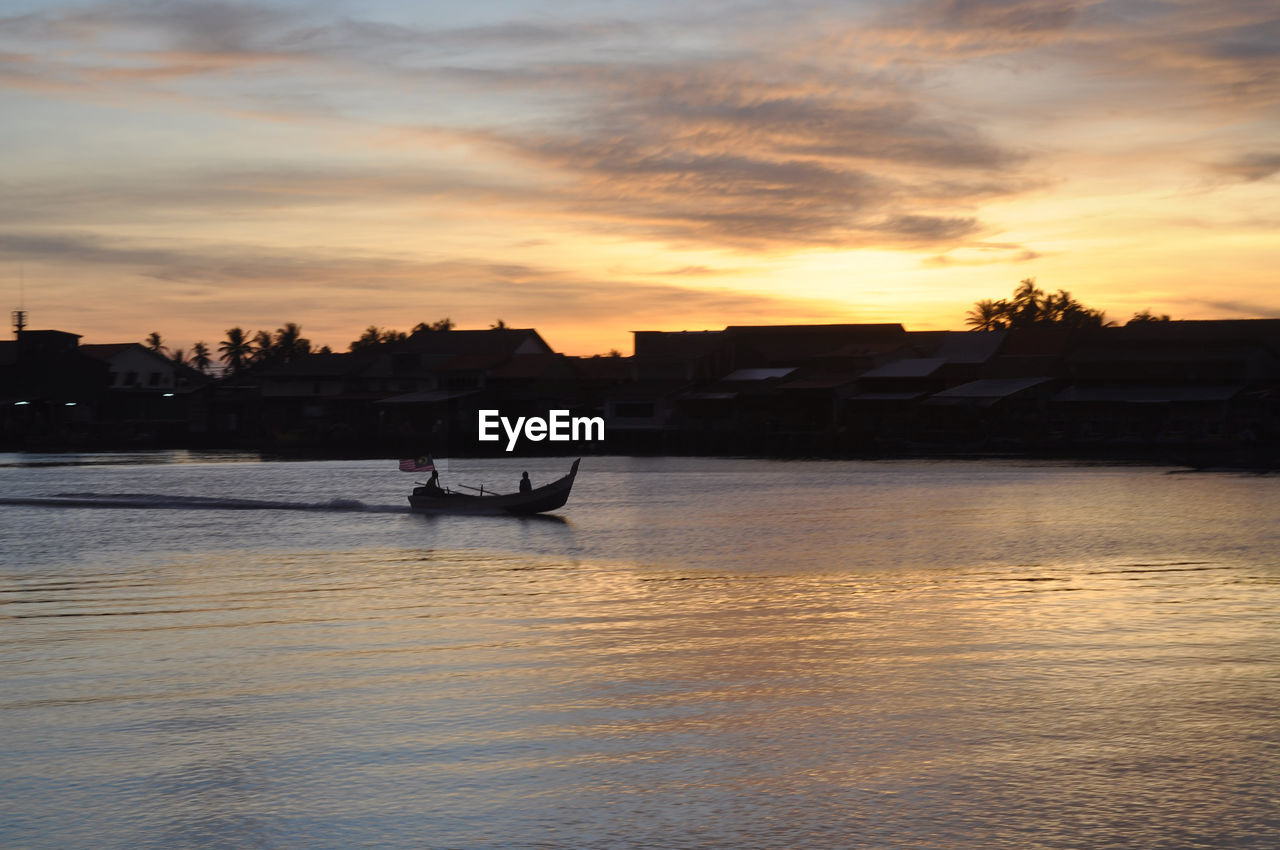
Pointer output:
x,y
1012,17
792,114
252,31
1236,308
661,177
1251,167
170,192
940,31
1224,58
1175,55
201,27
80,248
927,230
732,148
370,39
983,254
766,157
766,137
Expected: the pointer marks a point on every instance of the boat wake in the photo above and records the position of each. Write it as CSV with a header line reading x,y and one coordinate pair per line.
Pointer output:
x,y
163,501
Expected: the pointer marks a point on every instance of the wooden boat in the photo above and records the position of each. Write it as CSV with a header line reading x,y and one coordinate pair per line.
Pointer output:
x,y
538,500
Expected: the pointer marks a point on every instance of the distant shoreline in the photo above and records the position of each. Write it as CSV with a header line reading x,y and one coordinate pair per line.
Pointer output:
x,y
1262,459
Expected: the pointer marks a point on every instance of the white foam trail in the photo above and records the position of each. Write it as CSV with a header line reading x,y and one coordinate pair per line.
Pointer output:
x,y
161,501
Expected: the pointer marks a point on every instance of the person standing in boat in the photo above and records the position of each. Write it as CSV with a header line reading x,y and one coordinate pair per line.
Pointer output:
x,y
525,484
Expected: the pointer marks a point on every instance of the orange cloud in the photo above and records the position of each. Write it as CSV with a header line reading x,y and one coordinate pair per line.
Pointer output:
x,y
341,293
794,148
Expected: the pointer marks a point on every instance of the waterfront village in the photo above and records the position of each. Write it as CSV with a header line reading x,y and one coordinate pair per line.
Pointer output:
x,y
1157,390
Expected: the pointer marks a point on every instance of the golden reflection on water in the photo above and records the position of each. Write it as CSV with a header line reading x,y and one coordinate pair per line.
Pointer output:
x,y
967,707
855,679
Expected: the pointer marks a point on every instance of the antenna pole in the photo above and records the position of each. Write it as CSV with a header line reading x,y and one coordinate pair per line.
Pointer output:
x,y
20,314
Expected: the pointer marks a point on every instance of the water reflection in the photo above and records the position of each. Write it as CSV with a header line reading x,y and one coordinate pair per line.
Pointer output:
x,y
173,456
811,666
525,520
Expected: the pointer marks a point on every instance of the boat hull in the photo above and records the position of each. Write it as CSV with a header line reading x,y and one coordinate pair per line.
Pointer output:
x,y
539,500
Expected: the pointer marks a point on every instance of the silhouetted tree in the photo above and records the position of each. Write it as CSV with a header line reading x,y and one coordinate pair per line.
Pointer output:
x,y
1061,309
1030,307
1148,316
987,315
200,359
289,344
498,326
235,350
261,347
445,324
374,335
156,343
1024,308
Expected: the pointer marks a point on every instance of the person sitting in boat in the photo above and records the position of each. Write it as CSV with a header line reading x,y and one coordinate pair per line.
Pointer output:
x,y
525,484
433,485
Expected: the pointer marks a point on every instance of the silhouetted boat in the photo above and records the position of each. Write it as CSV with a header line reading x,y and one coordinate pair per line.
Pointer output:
x,y
538,500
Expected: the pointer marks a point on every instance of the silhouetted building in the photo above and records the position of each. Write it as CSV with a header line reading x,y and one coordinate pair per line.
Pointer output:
x,y
781,389
679,357
1188,383
150,398
749,381
48,388
426,387
831,346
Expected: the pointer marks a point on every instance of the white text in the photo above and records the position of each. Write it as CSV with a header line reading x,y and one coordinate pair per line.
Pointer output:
x,y
559,426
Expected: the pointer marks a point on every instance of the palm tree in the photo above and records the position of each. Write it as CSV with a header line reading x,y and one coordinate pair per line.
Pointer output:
x,y
372,336
235,350
289,343
262,350
200,357
1031,307
156,343
445,324
1028,304
987,315
1147,316
498,326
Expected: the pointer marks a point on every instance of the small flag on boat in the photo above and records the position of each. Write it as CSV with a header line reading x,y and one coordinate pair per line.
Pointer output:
x,y
418,464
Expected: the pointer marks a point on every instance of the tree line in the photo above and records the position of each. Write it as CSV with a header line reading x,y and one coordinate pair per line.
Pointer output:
x,y
1033,307
374,335
1028,306
242,351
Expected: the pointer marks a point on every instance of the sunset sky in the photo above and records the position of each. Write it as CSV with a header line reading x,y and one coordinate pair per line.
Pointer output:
x,y
589,169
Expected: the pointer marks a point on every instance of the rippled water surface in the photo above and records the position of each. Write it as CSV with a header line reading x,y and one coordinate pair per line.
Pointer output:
x,y
696,653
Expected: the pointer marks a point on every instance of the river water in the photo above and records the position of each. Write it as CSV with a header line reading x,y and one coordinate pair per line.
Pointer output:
x,y
214,651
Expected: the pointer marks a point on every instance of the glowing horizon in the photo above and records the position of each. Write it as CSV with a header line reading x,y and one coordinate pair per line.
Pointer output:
x,y
590,170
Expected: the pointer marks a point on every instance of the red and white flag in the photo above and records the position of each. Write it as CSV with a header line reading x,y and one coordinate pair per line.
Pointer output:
x,y
418,464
